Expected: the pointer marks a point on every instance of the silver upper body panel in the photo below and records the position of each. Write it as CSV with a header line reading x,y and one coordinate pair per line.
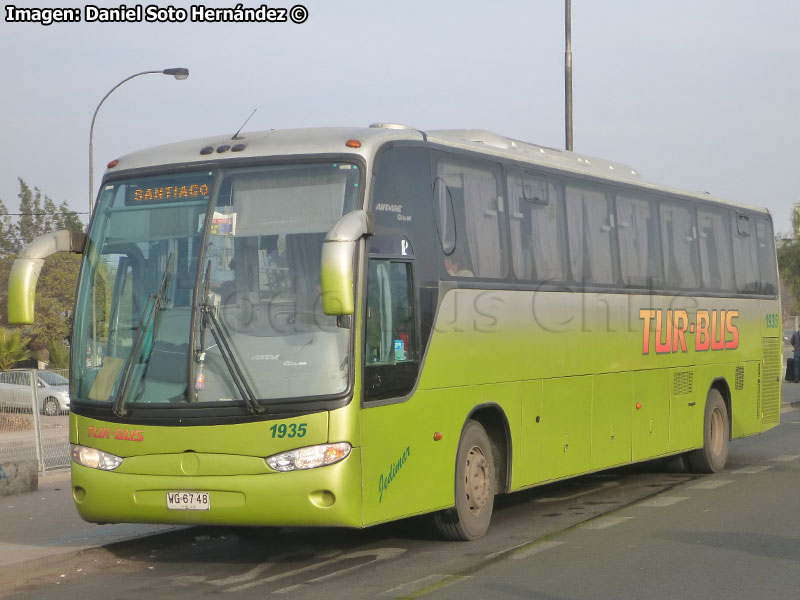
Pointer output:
x,y
331,140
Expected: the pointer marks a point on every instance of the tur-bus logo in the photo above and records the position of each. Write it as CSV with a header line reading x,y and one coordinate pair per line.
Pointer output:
x,y
710,330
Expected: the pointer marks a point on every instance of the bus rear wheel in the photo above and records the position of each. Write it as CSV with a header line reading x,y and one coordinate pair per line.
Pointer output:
x,y
712,456
475,485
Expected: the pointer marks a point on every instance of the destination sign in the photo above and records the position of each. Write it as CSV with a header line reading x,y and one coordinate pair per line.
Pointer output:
x,y
170,192
176,188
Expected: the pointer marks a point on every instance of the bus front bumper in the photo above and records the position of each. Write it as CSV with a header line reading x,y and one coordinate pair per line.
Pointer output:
x,y
325,496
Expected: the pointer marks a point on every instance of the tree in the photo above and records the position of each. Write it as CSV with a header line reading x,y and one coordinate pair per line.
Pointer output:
x,y
55,296
9,239
55,291
39,215
13,348
789,267
58,355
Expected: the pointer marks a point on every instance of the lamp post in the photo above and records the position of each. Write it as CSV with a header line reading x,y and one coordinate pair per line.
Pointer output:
x,y
178,73
568,73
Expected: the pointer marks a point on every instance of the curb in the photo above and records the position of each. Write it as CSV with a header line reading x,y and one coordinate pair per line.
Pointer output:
x,y
20,574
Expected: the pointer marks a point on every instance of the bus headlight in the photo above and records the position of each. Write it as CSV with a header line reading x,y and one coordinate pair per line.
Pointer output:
x,y
309,457
94,458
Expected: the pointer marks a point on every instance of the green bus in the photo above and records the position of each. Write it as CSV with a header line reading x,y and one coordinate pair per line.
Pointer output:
x,y
346,327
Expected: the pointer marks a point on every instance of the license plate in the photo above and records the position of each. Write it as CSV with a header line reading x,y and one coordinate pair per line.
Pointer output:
x,y
188,500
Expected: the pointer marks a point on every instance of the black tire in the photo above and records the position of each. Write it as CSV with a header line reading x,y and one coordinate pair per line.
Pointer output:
x,y
50,407
675,464
475,487
712,456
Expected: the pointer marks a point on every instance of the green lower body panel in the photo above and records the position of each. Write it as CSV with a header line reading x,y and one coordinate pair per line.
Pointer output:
x,y
329,496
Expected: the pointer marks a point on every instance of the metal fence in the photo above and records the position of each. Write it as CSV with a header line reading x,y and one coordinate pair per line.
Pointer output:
x,y
34,417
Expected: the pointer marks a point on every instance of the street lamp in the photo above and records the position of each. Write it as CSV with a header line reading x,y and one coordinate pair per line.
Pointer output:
x,y
178,73
568,73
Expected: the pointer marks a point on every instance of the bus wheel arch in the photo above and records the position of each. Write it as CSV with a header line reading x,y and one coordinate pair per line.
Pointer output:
x,y
494,421
711,457
474,487
482,469
721,385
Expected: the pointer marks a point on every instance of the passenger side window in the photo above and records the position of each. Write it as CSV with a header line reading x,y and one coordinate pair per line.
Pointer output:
x,y
534,216
589,222
391,360
679,243
715,257
745,256
468,217
390,318
639,249
766,257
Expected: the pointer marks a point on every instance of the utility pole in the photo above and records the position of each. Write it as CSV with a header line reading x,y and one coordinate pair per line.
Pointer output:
x,y
568,73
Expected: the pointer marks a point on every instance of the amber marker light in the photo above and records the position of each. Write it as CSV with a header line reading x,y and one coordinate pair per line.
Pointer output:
x,y
437,436
112,164
353,144
638,405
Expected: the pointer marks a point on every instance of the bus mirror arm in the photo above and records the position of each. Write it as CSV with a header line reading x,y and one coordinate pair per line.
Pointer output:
x,y
27,266
338,254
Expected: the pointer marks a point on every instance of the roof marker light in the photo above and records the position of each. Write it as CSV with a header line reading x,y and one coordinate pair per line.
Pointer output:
x,y
207,150
112,164
353,144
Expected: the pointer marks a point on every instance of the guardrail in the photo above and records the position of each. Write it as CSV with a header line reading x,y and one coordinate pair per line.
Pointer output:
x,y
34,420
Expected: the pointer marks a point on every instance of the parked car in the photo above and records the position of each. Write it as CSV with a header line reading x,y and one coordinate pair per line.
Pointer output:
x,y
52,391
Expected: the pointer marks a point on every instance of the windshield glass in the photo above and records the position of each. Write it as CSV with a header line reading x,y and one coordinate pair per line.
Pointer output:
x,y
257,268
263,264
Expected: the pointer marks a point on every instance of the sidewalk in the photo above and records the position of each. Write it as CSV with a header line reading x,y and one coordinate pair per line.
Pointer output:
x,y
42,529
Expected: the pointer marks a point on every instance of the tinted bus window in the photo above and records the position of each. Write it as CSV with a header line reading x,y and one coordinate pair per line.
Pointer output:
x,y
639,249
745,256
472,192
401,205
679,243
589,225
534,217
766,256
715,256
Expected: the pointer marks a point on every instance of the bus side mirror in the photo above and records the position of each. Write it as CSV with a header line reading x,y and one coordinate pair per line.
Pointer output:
x,y
338,253
26,268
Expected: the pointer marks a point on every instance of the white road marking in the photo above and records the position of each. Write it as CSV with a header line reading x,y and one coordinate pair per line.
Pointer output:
x,y
377,554
436,582
750,470
785,458
662,501
251,574
710,484
606,522
507,550
607,484
524,549
535,549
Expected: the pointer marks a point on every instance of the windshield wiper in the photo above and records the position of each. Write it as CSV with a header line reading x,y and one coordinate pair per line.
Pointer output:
x,y
209,319
149,313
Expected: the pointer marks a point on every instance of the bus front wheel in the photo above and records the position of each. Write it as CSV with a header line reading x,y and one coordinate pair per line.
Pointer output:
x,y
712,456
475,486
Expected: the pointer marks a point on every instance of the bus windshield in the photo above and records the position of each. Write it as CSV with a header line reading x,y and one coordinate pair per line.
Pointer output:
x,y
244,244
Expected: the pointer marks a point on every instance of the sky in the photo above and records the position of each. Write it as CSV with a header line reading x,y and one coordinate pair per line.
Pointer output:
x,y
701,95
